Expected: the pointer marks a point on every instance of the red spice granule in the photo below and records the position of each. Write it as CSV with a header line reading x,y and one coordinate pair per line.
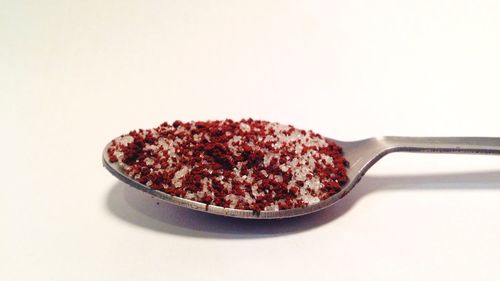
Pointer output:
x,y
250,164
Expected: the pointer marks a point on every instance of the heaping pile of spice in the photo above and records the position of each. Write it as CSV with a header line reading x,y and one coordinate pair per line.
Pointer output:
x,y
249,164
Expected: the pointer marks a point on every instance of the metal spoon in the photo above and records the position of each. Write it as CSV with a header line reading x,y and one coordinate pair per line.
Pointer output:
x,y
361,155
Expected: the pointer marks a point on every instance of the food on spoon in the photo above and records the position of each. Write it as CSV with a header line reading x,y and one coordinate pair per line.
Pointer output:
x,y
248,164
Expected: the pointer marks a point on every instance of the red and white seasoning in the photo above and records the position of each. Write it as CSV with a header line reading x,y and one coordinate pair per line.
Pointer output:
x,y
249,164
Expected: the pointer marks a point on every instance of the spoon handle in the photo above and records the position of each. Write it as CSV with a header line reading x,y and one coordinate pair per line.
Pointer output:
x,y
470,145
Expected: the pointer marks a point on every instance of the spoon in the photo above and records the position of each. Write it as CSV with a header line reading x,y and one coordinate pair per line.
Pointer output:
x,y
361,155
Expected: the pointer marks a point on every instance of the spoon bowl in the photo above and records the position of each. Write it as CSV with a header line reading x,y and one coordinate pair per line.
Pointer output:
x,y
361,155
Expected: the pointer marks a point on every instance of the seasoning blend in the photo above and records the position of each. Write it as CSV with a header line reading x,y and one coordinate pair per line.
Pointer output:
x,y
248,164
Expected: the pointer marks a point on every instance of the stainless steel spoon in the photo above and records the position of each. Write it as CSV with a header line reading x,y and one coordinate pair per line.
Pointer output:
x,y
361,155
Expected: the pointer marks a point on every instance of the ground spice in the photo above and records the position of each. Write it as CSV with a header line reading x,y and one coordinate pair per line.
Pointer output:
x,y
249,164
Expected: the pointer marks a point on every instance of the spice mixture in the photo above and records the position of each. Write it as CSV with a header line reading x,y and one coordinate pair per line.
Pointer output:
x,y
249,164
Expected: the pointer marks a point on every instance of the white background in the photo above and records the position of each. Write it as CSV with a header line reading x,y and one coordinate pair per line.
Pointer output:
x,y
75,74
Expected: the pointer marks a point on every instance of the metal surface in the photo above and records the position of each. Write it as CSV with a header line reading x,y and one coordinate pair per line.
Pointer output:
x,y
361,155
